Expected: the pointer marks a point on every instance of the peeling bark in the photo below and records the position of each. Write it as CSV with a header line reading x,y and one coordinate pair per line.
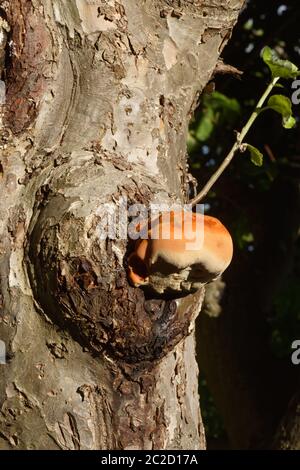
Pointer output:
x,y
99,95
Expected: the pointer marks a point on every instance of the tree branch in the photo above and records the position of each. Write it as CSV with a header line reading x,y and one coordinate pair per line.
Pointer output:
x,y
236,146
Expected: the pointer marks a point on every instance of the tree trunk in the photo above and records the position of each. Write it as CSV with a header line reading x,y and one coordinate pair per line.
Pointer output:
x,y
99,94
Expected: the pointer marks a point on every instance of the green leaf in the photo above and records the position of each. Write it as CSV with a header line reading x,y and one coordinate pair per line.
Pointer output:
x,y
219,101
249,24
278,67
217,110
282,105
289,123
205,126
192,143
248,237
256,156
258,32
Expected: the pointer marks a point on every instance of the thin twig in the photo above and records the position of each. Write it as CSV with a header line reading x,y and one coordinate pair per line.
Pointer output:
x,y
236,146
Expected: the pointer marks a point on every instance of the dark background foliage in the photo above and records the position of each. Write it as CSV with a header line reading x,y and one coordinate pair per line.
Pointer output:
x,y
260,305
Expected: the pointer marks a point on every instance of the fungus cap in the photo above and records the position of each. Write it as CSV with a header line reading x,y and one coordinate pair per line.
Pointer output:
x,y
179,240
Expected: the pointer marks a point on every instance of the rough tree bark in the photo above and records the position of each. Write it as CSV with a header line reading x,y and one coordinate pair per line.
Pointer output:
x,y
99,94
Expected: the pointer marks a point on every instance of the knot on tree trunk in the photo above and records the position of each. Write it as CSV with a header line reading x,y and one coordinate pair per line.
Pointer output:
x,y
80,281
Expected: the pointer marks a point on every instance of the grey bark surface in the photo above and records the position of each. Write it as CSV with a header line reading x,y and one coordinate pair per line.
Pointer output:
x,y
99,95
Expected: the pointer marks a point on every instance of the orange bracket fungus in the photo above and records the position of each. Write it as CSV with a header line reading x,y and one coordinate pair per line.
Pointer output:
x,y
183,251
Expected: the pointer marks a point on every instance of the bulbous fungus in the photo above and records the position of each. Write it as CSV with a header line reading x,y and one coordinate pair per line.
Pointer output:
x,y
183,251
